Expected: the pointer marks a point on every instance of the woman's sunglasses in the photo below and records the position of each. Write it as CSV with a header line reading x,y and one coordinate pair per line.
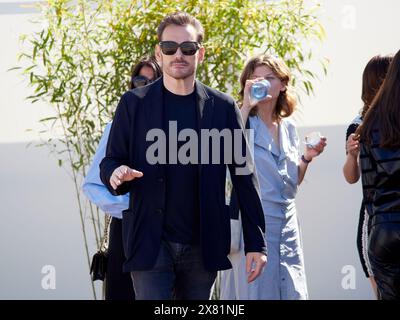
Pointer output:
x,y
140,81
188,48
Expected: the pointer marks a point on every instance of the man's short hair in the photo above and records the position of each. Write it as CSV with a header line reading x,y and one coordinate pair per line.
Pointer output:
x,y
181,19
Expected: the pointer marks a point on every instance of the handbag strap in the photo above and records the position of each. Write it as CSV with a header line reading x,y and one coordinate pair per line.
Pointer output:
x,y
104,241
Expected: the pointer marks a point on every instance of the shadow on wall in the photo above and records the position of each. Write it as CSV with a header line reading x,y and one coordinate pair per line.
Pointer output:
x,y
40,226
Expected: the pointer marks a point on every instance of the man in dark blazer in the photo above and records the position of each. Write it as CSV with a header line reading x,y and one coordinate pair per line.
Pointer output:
x,y
176,232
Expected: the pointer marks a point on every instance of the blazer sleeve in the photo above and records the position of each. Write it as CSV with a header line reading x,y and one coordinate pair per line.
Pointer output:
x,y
246,187
117,152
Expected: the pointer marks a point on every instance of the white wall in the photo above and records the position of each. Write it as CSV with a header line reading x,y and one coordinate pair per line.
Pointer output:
x,y
39,220
328,206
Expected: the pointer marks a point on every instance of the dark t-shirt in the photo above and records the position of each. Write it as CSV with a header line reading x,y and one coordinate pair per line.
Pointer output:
x,y
351,129
182,222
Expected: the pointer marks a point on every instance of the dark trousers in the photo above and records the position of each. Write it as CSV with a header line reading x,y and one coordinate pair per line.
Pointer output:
x,y
177,274
384,255
118,284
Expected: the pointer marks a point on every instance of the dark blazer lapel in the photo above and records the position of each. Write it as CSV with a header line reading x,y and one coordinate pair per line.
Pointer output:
x,y
154,106
206,109
205,105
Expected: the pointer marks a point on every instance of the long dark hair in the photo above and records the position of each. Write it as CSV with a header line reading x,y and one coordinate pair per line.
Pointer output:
x,y
372,79
146,61
384,113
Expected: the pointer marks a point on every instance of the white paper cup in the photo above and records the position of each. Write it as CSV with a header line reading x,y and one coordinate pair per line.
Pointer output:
x,y
312,139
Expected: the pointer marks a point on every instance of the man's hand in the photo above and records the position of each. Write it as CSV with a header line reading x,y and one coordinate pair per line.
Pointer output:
x,y
255,262
122,174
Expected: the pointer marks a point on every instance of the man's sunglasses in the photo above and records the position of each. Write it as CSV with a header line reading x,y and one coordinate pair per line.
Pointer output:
x,y
140,81
188,48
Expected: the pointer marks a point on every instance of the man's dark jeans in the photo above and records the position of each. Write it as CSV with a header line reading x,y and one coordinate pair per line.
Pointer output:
x,y
177,274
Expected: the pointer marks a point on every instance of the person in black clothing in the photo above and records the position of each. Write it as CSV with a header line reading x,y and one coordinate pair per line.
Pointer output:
x,y
380,172
373,76
118,284
176,232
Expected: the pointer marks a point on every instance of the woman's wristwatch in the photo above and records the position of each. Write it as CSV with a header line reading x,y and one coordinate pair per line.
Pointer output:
x,y
305,160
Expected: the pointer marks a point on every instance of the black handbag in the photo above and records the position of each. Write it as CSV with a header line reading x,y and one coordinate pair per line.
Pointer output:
x,y
98,267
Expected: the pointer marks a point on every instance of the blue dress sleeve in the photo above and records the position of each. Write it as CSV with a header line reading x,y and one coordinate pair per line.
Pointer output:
x,y
94,189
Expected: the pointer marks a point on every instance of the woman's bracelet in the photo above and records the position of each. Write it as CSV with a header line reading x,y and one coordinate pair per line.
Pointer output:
x,y
305,160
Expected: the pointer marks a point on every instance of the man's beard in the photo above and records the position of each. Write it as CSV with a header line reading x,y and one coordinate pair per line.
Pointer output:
x,y
176,74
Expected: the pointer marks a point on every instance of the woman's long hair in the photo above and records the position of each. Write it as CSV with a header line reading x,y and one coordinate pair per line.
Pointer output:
x,y
146,61
287,102
384,113
372,79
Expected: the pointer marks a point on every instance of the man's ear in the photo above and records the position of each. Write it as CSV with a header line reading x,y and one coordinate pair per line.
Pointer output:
x,y
158,55
202,52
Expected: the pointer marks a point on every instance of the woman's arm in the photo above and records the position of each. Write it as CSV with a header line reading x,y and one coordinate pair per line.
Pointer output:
x,y
245,111
351,168
308,155
302,169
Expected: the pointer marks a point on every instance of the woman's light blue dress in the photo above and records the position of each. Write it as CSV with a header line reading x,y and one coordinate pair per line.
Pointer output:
x,y
277,171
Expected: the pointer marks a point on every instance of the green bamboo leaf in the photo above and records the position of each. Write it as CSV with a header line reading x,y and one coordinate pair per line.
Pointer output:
x,y
48,119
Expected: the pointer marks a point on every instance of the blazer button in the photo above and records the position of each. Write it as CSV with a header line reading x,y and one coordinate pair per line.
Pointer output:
x,y
159,210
